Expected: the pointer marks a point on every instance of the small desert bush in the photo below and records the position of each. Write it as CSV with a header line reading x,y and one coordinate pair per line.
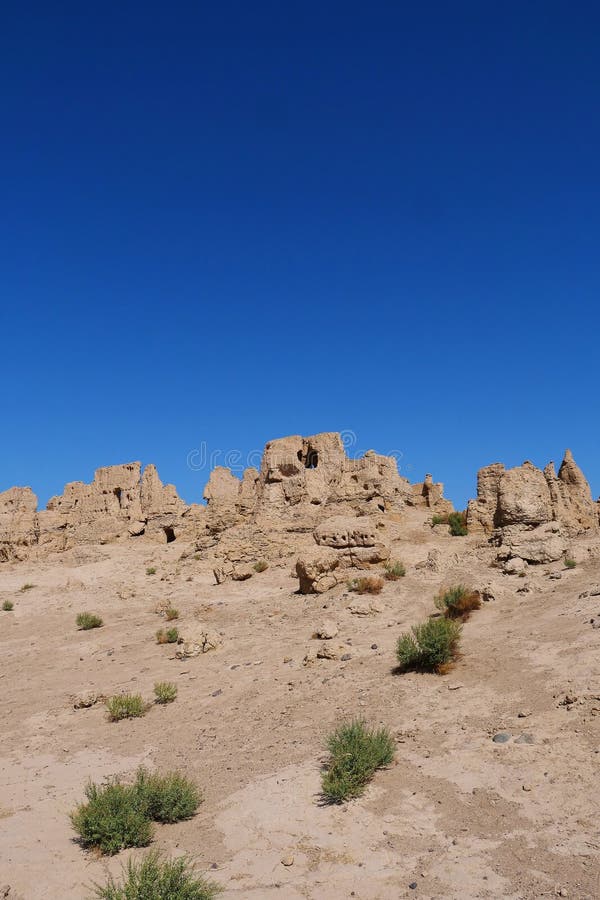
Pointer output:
x,y
125,706
151,570
167,798
458,602
458,524
8,605
87,620
171,613
368,584
168,636
113,818
155,878
26,587
165,691
394,570
570,563
117,816
439,520
431,646
261,566
355,754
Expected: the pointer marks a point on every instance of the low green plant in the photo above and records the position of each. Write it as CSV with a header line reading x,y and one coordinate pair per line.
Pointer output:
x,y
570,563
168,636
394,570
458,524
85,621
439,520
261,566
431,646
26,587
458,602
113,818
355,754
117,815
126,706
168,798
367,584
151,570
171,613
156,878
165,692
8,606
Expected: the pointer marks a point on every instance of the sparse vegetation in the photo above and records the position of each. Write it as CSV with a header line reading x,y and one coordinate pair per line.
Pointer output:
x,y
458,524
431,646
8,606
458,602
261,566
125,706
171,613
570,563
168,636
151,570
155,878
26,587
368,584
394,570
85,621
356,752
117,816
165,692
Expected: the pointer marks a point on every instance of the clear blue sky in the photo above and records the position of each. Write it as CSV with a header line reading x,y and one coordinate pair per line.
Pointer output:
x,y
223,223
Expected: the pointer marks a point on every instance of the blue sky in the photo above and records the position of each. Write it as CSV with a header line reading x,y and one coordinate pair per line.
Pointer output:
x,y
224,223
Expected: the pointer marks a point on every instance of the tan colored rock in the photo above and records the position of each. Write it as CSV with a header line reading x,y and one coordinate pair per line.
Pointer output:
x,y
327,630
526,496
543,544
242,572
341,532
197,641
19,524
318,570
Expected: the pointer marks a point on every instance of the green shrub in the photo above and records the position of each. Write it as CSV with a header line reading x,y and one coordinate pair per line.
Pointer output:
x,y
155,878
570,563
458,602
439,520
458,524
26,587
168,798
125,706
171,613
368,584
113,818
117,816
170,636
151,570
394,570
261,566
165,691
355,754
86,620
431,646
8,606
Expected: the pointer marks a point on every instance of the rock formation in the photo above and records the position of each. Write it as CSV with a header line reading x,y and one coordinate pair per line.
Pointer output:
x,y
342,542
527,496
530,513
119,502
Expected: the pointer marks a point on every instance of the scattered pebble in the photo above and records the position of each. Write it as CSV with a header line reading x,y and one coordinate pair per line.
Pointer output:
x,y
413,885
346,657
524,714
525,739
526,787
502,737
287,860
373,646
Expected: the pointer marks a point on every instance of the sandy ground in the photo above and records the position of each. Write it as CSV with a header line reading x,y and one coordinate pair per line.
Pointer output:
x,y
457,815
